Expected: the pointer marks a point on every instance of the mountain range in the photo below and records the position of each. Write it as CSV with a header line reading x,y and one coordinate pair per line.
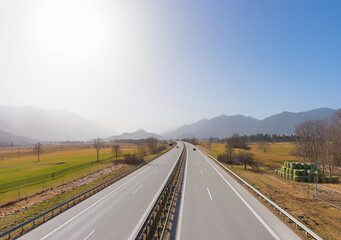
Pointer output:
x,y
46,125
139,134
23,125
224,126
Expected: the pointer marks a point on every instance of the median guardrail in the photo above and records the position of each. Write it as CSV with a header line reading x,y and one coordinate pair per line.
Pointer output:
x,y
155,225
276,207
47,215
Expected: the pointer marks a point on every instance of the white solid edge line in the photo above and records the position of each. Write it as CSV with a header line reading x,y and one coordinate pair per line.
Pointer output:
x,y
201,172
244,201
208,190
89,234
137,189
144,216
179,224
98,201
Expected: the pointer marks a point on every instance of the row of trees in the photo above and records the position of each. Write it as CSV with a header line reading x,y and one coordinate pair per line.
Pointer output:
x,y
319,142
152,144
260,138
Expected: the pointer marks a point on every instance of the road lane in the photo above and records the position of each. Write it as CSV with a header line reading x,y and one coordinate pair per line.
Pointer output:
x,y
215,206
114,212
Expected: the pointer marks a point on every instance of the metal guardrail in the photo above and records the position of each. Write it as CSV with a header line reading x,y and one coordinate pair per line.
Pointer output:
x,y
282,211
177,190
161,208
45,216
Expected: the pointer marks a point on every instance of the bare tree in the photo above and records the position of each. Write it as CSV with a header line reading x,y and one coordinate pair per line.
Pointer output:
x,y
229,151
141,149
209,143
247,158
98,144
152,144
38,149
264,146
117,150
335,142
313,138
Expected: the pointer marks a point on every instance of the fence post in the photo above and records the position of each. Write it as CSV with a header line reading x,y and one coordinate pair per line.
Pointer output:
x,y
316,179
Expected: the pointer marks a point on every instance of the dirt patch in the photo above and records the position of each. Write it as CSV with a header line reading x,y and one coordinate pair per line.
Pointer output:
x,y
12,207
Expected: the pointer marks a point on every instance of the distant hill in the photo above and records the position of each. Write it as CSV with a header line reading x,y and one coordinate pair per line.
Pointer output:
x,y
48,125
8,138
285,122
139,134
224,126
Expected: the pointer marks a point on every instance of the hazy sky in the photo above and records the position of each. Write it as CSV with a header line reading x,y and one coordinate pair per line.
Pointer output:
x,y
160,64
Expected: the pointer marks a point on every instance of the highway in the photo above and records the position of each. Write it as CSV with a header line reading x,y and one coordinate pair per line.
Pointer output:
x,y
116,212
215,206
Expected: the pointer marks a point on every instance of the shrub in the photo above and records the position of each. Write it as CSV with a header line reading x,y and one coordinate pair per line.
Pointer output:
x,y
132,159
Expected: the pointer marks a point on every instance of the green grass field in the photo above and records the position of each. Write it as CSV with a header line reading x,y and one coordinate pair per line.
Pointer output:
x,y
14,168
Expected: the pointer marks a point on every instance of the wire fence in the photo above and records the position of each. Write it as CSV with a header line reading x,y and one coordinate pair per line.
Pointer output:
x,y
328,195
27,190
46,177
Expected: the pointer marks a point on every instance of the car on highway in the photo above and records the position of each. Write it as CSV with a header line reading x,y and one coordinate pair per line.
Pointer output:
x,y
194,149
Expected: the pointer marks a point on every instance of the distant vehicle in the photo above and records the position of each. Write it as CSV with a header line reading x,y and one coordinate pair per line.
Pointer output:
x,y
194,149
177,146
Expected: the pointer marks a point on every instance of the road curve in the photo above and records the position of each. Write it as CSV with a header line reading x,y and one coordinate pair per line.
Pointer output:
x,y
215,206
115,212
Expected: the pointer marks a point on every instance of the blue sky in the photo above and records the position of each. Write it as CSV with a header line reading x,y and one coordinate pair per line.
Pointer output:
x,y
160,64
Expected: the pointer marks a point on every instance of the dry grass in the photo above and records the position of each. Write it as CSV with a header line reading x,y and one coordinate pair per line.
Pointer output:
x,y
296,198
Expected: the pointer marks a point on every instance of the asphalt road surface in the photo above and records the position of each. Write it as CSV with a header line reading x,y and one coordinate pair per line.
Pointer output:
x,y
215,206
116,212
